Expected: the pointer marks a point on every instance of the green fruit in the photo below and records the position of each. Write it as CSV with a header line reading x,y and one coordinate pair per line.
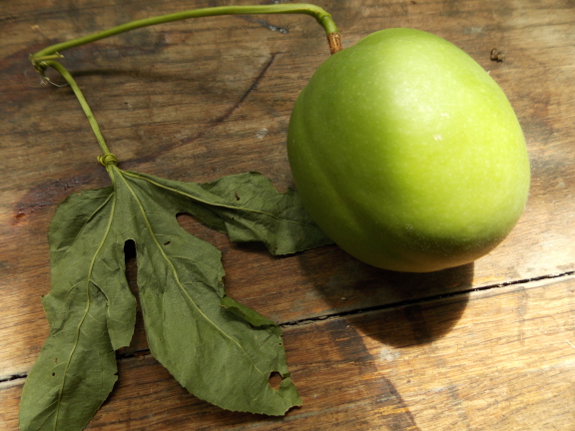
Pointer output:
x,y
408,154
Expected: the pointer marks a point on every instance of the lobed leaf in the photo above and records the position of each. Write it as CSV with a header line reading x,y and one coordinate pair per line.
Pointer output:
x,y
220,350
247,208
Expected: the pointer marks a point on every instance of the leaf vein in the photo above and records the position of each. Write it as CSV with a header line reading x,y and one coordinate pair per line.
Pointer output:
x,y
86,312
174,271
216,204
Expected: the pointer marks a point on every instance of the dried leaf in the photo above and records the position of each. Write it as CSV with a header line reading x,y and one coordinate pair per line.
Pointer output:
x,y
220,350
248,208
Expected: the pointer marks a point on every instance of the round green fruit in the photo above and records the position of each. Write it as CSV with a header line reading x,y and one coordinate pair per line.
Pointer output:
x,y
408,154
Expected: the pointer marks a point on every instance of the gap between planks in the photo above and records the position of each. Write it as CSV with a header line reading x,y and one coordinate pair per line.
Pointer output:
x,y
301,322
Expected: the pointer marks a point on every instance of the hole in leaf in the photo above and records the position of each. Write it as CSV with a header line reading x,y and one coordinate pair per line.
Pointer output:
x,y
53,374
131,265
131,274
275,380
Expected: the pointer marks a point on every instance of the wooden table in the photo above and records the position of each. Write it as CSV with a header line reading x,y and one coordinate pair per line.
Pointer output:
x,y
488,346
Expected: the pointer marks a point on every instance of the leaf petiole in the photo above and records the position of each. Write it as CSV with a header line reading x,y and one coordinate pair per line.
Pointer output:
x,y
80,96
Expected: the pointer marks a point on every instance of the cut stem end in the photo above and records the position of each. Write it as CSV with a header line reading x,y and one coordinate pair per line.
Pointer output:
x,y
334,42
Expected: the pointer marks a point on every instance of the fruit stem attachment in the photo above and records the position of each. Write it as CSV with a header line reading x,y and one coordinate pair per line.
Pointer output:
x,y
72,83
47,57
334,43
320,15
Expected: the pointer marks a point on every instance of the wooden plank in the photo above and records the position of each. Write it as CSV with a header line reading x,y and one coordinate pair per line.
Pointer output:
x,y
499,359
167,99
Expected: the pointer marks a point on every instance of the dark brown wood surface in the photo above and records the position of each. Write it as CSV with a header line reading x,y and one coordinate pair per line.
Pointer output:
x,y
488,346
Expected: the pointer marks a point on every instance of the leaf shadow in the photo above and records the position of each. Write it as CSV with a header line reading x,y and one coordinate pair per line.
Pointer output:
x,y
397,308
143,74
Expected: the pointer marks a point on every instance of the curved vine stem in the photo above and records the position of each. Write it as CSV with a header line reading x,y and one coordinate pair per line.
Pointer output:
x,y
47,57
320,15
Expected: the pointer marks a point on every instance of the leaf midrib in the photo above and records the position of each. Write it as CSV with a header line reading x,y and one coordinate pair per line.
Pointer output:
x,y
215,204
88,299
173,269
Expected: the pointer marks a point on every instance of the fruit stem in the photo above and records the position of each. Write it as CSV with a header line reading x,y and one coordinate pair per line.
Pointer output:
x,y
320,15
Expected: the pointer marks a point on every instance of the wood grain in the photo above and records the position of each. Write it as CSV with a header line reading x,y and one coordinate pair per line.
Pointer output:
x,y
507,363
200,99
